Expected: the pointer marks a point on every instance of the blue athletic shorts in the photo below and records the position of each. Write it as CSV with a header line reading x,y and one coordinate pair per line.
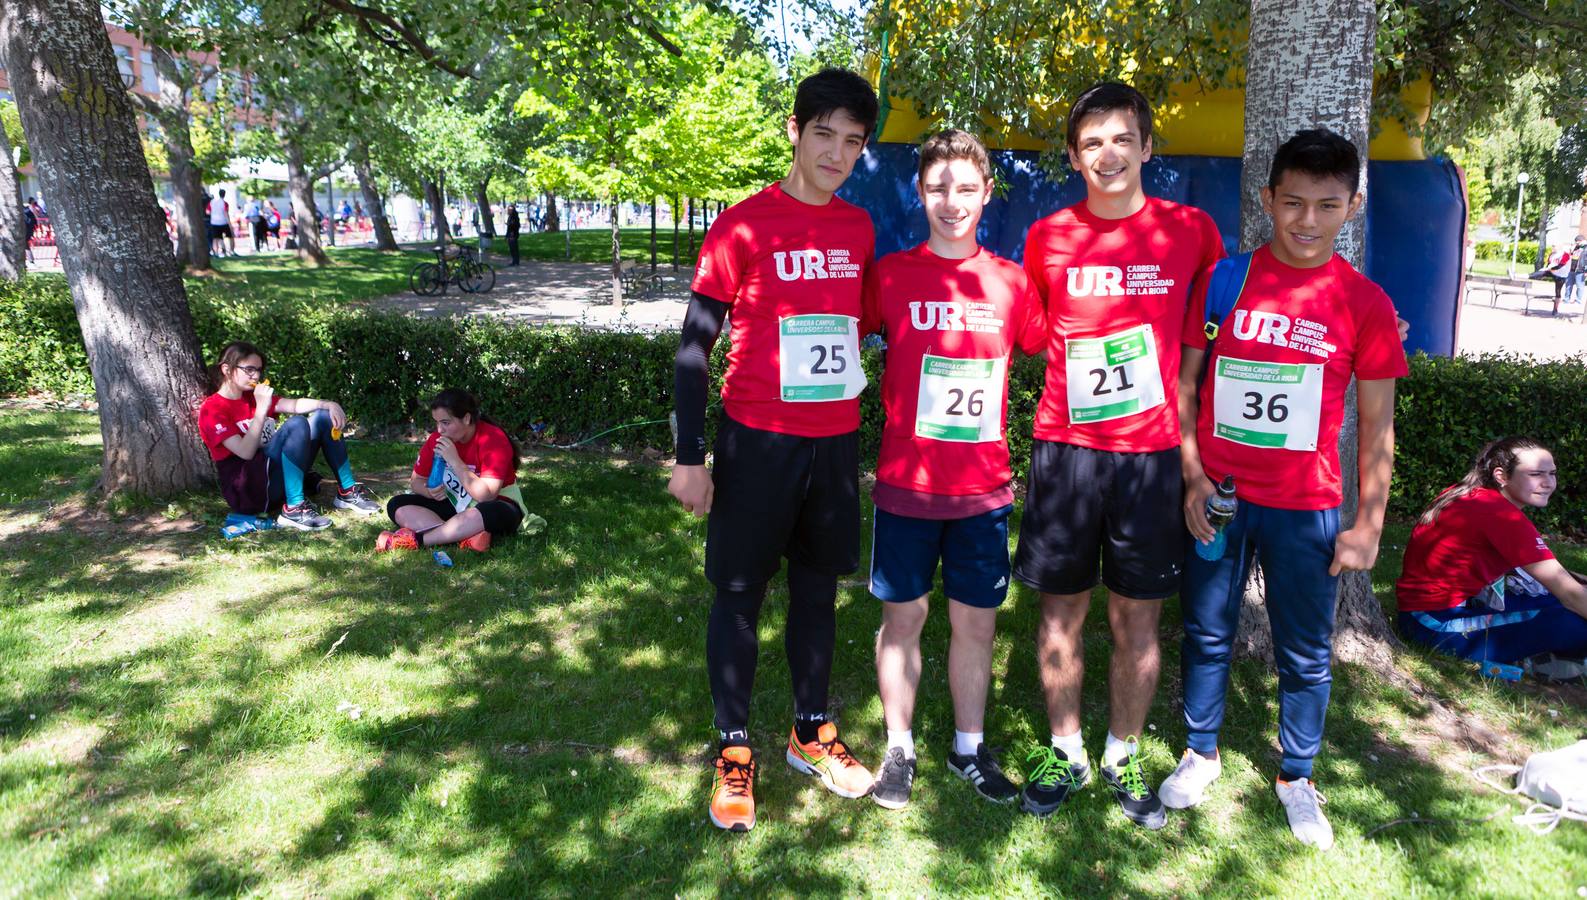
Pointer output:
x,y
973,552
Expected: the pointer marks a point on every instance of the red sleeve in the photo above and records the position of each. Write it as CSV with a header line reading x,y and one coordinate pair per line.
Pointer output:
x,y
1379,353
1194,334
1031,318
495,456
723,257
1514,536
426,459
1032,264
213,424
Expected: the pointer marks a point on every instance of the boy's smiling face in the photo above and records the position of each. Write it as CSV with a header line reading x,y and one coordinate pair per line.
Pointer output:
x,y
1308,213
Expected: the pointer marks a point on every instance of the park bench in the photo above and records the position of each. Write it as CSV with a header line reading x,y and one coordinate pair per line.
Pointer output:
x,y
637,282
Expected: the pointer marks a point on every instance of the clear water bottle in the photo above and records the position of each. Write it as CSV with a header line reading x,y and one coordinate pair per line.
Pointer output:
x,y
1221,507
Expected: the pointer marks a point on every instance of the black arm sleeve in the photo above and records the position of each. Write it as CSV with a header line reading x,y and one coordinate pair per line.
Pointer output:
x,y
701,325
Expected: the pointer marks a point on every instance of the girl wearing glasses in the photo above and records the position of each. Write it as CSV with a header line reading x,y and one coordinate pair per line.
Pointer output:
x,y
264,466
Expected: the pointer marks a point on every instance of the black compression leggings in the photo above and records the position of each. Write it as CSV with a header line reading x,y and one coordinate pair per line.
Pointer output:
x,y
731,644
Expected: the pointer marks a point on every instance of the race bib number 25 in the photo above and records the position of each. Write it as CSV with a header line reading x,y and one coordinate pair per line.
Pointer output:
x,y
819,358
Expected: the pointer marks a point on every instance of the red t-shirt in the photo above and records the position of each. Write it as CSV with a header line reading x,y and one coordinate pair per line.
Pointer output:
x,y
219,418
773,258
488,454
1284,360
1474,540
1127,281
951,325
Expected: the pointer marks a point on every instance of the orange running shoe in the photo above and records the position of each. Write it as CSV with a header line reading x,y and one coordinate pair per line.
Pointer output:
x,y
733,794
829,759
479,543
401,539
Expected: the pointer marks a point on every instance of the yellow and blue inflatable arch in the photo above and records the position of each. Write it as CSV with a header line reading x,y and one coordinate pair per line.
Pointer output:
x,y
1416,207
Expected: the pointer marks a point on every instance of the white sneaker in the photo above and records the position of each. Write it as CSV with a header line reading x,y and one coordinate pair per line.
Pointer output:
x,y
1188,784
1303,805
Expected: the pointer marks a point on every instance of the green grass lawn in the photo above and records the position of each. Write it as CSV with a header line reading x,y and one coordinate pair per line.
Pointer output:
x,y
595,245
289,715
355,273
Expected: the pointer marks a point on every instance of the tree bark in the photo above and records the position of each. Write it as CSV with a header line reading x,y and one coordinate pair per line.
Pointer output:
x,y
187,186
617,257
13,234
131,305
1309,64
300,190
374,204
487,222
553,221
432,198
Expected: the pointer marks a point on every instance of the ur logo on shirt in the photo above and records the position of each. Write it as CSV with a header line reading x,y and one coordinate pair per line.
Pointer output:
x,y
936,314
815,265
1263,327
1096,281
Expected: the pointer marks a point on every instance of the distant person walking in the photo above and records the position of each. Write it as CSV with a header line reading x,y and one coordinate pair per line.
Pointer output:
x,y
512,233
222,241
1558,271
254,213
1576,278
272,223
30,224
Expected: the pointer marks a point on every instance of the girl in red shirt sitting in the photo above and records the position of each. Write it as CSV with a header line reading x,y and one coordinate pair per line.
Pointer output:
x,y
1478,581
464,484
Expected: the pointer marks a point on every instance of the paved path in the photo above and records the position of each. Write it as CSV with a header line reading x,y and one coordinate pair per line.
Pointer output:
x,y
558,293
1495,325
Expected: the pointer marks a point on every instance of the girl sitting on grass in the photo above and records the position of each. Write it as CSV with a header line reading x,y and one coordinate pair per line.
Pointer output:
x,y
1478,581
475,494
263,467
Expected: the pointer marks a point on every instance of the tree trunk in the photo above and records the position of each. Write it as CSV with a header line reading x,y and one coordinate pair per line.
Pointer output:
x,y
691,227
187,186
432,198
125,285
617,257
13,234
487,222
1309,65
654,202
553,221
374,204
300,190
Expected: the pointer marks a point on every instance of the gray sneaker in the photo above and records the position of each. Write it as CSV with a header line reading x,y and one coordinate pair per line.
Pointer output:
x,y
303,517
1303,806
358,499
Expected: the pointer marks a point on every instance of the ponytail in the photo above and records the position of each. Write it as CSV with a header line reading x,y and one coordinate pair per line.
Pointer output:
x,y
461,403
1503,454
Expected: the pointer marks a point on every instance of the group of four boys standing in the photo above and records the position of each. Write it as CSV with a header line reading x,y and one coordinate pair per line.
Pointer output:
x,y
1130,438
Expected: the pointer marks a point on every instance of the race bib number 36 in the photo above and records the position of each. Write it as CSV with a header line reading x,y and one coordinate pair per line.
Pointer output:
x,y
819,358
960,399
1262,404
1114,376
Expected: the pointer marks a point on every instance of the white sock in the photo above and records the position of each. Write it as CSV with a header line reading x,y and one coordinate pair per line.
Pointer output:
x,y
965,743
1115,751
1074,749
904,740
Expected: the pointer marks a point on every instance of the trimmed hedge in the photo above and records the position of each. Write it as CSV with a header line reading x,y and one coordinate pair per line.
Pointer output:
x,y
559,385
1525,251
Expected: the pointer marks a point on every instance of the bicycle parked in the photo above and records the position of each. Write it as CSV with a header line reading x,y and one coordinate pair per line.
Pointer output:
x,y
454,264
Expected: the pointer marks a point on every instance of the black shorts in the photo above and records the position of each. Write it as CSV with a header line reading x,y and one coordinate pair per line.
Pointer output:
x,y
220,231
1083,504
781,495
501,516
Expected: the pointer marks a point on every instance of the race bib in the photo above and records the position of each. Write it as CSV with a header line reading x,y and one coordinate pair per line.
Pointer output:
x,y
458,495
819,358
267,430
1114,376
1261,404
960,399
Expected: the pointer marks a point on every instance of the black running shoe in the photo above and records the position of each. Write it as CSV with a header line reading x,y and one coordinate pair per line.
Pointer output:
x,y
1052,779
982,771
1139,802
894,781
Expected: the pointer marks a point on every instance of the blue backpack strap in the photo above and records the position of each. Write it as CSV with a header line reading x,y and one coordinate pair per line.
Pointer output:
x,y
1223,291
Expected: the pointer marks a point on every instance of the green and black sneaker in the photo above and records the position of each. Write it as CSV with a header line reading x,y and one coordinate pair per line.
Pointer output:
x,y
1139,802
1052,778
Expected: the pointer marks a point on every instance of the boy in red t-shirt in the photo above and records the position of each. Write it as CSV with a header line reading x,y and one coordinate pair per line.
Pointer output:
x,y
790,262
1268,412
952,314
1115,272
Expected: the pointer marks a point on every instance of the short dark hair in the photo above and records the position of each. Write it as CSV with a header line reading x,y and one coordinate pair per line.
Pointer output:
x,y
1105,98
1319,153
952,144
830,90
